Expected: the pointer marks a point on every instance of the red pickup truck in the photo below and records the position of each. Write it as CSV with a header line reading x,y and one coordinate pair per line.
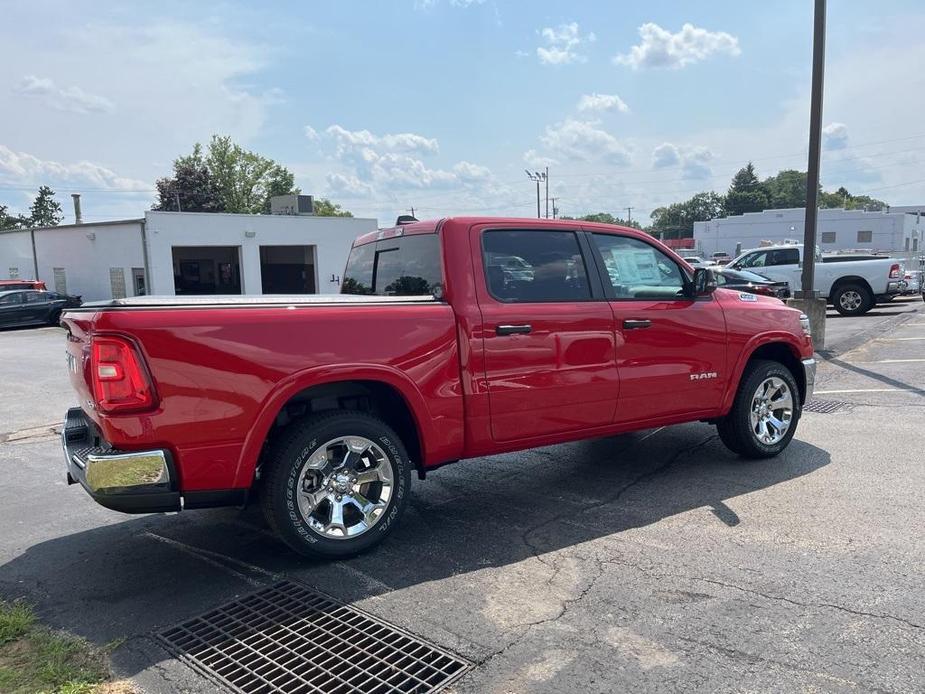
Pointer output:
x,y
451,339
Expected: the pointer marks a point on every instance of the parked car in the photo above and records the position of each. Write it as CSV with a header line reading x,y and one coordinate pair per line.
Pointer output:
x,y
697,261
326,405
721,258
913,280
853,287
30,307
6,285
752,282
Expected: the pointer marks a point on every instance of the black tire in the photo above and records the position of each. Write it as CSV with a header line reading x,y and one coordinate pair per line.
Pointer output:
x,y
55,318
844,299
735,428
281,474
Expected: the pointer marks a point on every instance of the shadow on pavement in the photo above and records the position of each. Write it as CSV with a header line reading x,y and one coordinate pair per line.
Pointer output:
x,y
145,573
894,382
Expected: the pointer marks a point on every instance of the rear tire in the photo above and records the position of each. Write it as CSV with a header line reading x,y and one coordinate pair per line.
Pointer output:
x,y
766,390
852,299
336,484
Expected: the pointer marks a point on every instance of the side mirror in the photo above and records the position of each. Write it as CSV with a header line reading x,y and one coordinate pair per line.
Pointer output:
x,y
704,282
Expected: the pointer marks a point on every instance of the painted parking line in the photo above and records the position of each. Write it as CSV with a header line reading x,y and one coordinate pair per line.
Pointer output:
x,y
899,339
889,361
863,390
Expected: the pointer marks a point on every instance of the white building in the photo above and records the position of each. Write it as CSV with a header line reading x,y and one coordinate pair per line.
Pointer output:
x,y
899,231
186,253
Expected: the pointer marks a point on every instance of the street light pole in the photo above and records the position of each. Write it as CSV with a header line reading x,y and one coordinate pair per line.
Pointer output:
x,y
546,178
537,176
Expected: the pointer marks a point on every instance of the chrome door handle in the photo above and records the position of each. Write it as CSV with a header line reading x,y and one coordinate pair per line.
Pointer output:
x,y
636,324
513,329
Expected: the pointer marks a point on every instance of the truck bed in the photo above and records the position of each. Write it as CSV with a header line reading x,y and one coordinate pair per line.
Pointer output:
x,y
231,300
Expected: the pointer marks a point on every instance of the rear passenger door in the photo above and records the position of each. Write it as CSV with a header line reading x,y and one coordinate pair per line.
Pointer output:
x,y
547,333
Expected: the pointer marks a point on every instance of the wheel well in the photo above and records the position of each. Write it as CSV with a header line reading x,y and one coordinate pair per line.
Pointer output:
x,y
783,354
850,279
375,397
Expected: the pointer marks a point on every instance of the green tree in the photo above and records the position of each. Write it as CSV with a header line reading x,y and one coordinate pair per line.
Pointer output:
x,y
192,186
745,193
245,180
325,208
786,189
9,221
45,210
680,216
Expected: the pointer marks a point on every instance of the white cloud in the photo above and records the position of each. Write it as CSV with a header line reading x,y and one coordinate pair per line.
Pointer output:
x,y
311,133
666,154
693,160
562,44
696,163
468,172
348,184
72,99
584,141
662,49
535,160
602,102
364,139
22,169
835,136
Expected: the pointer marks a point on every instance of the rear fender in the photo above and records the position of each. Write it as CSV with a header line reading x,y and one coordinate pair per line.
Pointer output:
x,y
300,381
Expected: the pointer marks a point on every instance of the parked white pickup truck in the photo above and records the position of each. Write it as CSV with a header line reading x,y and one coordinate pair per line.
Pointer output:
x,y
852,285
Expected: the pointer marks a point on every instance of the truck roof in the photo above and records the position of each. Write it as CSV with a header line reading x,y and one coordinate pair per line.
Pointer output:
x,y
432,225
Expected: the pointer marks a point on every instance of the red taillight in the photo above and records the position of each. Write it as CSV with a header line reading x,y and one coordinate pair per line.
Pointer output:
x,y
894,271
120,381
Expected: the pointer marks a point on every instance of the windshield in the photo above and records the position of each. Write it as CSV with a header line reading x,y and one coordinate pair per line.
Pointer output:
x,y
408,266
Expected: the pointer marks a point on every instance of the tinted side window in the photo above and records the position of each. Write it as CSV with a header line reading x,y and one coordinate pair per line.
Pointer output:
x,y
784,256
35,298
637,270
408,266
11,299
534,266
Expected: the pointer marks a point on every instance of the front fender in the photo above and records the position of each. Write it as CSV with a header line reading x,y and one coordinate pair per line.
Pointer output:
x,y
794,343
297,382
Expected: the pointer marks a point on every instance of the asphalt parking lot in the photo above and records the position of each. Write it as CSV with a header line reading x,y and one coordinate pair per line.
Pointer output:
x,y
655,561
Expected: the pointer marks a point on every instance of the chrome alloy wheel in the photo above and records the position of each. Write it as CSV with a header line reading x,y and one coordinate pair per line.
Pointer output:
x,y
771,410
850,300
345,487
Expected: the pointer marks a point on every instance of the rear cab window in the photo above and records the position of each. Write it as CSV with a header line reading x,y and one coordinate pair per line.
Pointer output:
x,y
402,266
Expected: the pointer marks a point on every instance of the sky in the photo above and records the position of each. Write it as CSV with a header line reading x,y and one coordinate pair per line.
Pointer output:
x,y
440,105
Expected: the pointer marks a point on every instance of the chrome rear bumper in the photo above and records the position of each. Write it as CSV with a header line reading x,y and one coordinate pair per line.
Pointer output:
x,y
127,481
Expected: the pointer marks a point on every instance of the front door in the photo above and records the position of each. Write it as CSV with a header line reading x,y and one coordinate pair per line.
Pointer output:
x,y
671,349
548,336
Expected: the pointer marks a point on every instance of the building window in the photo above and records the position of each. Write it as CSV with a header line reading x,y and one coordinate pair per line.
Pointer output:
x,y
287,269
117,282
828,237
60,280
138,281
206,269
865,236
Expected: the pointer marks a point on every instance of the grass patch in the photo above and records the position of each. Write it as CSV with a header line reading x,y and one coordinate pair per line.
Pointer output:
x,y
34,658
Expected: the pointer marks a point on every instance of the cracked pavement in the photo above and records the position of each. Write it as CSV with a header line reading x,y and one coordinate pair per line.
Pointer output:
x,y
656,561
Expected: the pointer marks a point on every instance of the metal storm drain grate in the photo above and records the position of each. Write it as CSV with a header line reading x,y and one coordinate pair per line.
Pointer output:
x,y
827,406
288,638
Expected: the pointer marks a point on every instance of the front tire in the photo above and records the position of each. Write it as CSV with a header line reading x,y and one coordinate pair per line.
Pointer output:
x,y
852,300
765,412
336,484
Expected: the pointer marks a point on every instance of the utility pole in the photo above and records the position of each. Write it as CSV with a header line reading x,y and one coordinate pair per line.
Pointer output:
x,y
555,210
537,176
411,211
176,196
546,178
808,299
629,214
